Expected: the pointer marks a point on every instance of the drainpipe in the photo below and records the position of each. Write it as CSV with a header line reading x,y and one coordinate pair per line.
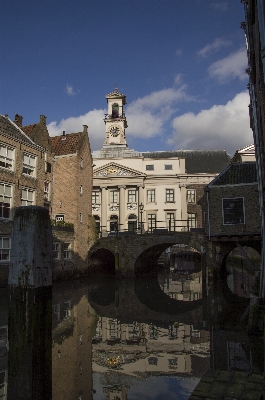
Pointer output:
x,y
207,190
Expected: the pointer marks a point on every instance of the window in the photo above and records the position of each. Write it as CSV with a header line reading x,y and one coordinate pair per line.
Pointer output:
x,y
192,220
170,221
27,197
97,219
113,196
233,211
29,164
151,221
115,110
81,190
7,156
81,163
59,217
80,217
48,167
67,254
190,196
5,247
132,223
151,196
149,167
173,363
5,200
169,195
131,196
95,198
152,360
46,191
168,166
57,250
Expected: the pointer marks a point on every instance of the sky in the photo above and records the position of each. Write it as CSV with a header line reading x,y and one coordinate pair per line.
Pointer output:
x,y
181,65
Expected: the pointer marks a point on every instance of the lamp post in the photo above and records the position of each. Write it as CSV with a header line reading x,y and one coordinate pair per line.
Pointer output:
x,y
141,207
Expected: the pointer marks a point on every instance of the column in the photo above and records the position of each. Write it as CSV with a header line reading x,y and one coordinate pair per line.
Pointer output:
x,y
183,205
123,204
103,221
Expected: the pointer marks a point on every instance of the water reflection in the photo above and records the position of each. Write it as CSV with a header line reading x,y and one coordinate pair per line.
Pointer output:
x,y
134,339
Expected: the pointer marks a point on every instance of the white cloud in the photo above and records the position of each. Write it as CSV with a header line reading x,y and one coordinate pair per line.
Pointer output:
x,y
94,120
178,79
232,66
147,115
70,90
224,127
213,47
220,6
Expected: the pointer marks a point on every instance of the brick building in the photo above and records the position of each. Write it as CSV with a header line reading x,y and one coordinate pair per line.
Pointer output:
x,y
254,27
23,173
233,203
71,198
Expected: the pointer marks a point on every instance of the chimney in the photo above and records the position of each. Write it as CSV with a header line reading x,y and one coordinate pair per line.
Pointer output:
x,y
43,120
85,128
64,137
18,120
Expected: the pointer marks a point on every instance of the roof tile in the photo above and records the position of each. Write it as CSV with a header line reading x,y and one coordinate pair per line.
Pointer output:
x,y
66,144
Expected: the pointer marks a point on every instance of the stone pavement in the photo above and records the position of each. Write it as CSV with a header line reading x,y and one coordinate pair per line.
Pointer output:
x,y
230,386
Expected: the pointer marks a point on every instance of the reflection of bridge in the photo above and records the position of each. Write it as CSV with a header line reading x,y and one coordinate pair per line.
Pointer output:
x,y
140,251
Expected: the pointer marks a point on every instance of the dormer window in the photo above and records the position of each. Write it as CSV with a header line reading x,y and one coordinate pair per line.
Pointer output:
x,y
115,110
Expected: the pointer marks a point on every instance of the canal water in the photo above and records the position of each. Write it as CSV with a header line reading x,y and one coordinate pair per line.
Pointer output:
x,y
151,338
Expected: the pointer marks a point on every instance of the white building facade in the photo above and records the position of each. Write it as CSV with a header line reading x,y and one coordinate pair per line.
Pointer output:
x,y
140,192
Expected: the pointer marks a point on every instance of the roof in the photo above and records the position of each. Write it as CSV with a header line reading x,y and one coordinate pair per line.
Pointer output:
x,y
238,173
66,144
117,95
28,129
10,129
196,161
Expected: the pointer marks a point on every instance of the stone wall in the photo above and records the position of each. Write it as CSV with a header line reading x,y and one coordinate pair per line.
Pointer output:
x,y
252,211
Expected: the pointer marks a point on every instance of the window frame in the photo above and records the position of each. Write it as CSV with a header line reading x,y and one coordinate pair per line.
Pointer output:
x,y
192,219
7,148
114,195
131,196
56,248
46,191
7,249
168,167
67,251
10,197
28,166
32,202
153,195
152,167
151,217
170,227
170,195
95,196
233,199
191,195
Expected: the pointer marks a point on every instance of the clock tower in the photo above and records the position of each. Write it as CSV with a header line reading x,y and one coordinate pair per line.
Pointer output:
x,y
115,120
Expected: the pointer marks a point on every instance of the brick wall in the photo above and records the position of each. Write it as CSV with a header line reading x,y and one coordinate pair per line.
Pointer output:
x,y
252,211
199,204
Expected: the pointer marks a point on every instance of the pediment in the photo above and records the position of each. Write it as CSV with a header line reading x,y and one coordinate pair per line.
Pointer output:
x,y
116,170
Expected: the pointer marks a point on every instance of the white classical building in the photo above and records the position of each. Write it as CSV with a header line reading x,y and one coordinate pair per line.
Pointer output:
x,y
140,191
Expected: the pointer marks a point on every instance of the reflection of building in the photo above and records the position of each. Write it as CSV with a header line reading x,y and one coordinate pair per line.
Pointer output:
x,y
71,351
167,184
116,392
185,289
138,348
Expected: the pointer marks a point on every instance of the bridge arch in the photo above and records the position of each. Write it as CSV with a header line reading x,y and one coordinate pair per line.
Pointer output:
x,y
102,261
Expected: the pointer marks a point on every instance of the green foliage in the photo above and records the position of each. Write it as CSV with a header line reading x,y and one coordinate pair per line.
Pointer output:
x,y
62,223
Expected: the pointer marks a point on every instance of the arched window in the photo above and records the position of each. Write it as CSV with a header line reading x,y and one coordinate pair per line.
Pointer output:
x,y
132,216
115,110
113,223
132,223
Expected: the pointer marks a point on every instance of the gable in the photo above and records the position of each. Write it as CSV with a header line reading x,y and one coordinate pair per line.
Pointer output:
x,y
113,169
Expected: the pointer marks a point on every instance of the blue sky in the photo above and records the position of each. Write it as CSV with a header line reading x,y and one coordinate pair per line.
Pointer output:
x,y
181,65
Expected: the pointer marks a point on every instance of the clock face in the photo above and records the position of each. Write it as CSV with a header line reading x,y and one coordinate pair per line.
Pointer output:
x,y
114,131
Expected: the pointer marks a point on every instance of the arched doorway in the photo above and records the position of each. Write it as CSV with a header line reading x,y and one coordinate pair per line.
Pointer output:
x,y
113,226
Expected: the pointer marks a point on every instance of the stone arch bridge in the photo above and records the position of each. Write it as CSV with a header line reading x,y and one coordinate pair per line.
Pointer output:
x,y
140,251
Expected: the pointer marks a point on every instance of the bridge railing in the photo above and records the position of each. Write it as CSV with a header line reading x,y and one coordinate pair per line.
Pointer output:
x,y
157,227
